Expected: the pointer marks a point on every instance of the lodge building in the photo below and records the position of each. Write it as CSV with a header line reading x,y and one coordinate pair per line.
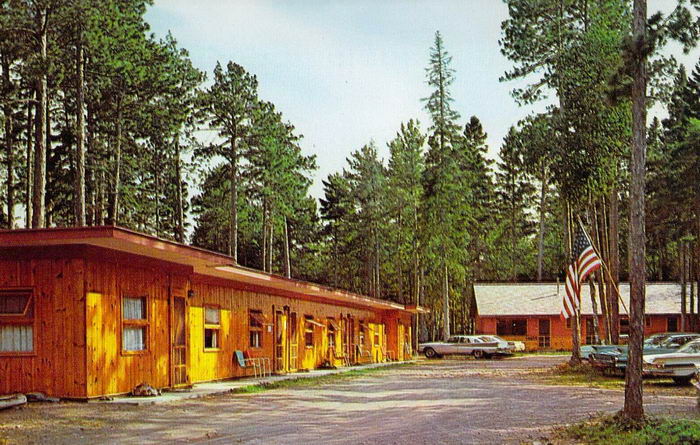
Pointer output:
x,y
530,312
95,311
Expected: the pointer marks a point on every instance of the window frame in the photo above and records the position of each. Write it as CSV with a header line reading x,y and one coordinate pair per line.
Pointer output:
x,y
259,330
309,329
211,327
22,319
143,323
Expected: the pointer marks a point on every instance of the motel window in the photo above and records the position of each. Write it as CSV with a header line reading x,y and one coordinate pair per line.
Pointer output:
x,y
331,333
363,328
255,325
672,324
568,323
309,331
647,321
624,326
16,321
590,331
376,335
515,326
134,324
212,327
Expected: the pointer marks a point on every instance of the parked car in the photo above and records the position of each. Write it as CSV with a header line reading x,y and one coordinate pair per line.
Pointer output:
x,y
587,350
615,360
480,346
680,365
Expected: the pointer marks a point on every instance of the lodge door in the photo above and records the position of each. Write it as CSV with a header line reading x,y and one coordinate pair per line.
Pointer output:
x,y
293,329
179,342
544,340
350,347
281,343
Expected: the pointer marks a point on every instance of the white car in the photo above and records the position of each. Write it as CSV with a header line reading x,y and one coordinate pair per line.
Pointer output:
x,y
679,365
480,346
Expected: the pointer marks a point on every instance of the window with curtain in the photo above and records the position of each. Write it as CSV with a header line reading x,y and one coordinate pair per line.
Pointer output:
x,y
212,327
16,321
255,327
135,324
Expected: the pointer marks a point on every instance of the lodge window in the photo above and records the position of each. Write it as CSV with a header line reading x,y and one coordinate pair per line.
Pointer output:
x,y
212,327
624,326
376,335
134,324
331,333
672,324
16,321
255,326
516,326
363,327
309,331
590,332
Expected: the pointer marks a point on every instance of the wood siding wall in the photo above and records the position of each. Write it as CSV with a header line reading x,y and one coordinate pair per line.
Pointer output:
x,y
57,366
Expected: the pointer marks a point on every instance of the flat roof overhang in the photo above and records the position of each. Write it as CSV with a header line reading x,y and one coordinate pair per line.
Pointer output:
x,y
202,261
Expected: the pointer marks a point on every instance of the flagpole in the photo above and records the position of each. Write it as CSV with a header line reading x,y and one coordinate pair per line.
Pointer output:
x,y
605,266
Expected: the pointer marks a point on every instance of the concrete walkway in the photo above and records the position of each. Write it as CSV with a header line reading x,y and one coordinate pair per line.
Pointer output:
x,y
227,386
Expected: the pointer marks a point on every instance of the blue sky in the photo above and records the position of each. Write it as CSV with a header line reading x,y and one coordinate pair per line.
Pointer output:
x,y
346,72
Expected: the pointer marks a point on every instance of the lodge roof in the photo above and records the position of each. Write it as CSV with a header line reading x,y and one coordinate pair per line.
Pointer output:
x,y
202,261
509,299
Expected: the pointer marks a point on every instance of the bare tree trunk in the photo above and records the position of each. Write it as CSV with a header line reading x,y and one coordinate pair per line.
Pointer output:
x,y
634,407
180,233
287,260
594,305
9,142
113,212
29,164
233,227
614,267
540,235
264,234
684,285
270,238
80,135
446,304
41,86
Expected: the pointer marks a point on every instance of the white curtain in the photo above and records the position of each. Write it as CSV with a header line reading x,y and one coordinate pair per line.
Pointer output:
x,y
134,308
133,339
16,338
211,315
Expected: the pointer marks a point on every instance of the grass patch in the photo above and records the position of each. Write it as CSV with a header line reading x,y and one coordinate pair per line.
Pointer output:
x,y
582,375
314,381
610,430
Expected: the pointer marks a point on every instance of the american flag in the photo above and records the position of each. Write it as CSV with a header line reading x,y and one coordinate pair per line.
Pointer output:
x,y
586,262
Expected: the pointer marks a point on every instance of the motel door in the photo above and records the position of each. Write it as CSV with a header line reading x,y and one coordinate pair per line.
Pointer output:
x,y
281,343
179,341
350,346
293,329
544,339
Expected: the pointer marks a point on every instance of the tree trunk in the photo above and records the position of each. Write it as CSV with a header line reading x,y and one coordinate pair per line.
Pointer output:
x,y
287,260
9,141
80,135
41,86
29,164
634,407
446,305
594,306
264,234
614,267
540,235
180,231
270,241
113,212
684,286
233,226
576,319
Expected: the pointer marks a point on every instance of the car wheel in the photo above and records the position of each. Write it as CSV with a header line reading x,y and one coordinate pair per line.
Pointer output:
x,y
430,353
479,354
682,380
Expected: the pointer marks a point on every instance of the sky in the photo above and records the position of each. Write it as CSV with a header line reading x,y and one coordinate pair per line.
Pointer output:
x,y
347,72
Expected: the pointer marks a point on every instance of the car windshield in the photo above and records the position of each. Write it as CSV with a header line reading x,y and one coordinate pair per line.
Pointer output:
x,y
691,348
676,341
656,340
490,339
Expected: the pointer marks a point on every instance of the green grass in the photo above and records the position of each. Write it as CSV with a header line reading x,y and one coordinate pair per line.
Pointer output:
x,y
609,430
302,382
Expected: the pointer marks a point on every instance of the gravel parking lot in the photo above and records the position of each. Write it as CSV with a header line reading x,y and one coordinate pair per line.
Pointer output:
x,y
444,401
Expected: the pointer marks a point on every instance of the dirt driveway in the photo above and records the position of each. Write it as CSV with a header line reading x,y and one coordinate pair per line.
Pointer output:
x,y
449,401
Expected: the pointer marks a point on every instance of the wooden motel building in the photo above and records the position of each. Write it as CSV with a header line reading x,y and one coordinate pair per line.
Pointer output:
x,y
89,312
530,312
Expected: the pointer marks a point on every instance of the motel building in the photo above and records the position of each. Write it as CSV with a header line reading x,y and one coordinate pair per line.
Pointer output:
x,y
530,312
95,311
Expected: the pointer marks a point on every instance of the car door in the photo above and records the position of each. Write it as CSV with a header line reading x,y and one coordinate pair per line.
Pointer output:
x,y
451,346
